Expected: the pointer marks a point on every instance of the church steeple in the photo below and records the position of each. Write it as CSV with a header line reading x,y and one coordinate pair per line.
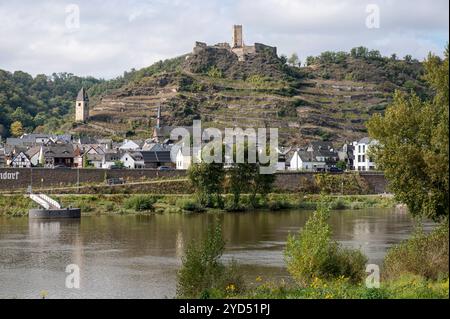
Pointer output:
x,y
158,119
82,106
158,135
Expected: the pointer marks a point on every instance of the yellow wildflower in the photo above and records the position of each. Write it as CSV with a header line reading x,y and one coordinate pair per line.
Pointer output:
x,y
44,294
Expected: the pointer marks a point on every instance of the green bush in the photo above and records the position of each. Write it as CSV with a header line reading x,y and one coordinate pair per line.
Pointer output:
x,y
202,274
277,205
423,255
140,203
313,254
349,184
190,205
215,72
230,205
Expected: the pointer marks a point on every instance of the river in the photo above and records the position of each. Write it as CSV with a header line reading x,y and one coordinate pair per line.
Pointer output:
x,y
138,256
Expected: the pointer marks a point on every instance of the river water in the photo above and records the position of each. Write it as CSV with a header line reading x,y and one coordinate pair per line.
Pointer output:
x,y
138,256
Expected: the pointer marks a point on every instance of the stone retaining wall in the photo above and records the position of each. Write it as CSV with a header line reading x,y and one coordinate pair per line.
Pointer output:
x,y
16,179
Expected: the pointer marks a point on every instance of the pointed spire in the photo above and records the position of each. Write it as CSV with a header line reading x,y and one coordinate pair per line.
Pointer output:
x,y
41,160
82,95
158,120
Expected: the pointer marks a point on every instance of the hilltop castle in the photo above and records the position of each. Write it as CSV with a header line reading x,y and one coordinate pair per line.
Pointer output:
x,y
237,46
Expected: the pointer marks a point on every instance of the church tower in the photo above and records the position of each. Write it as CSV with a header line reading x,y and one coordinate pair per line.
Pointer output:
x,y
82,106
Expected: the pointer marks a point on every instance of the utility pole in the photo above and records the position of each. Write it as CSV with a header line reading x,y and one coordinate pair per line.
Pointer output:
x,y
78,179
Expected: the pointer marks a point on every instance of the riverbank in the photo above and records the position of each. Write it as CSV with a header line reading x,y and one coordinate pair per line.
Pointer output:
x,y
406,287
18,205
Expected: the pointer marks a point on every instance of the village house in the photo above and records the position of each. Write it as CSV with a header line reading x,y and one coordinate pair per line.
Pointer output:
x,y
110,159
363,160
59,155
183,161
129,145
346,155
306,161
2,157
158,157
94,160
21,160
34,154
133,160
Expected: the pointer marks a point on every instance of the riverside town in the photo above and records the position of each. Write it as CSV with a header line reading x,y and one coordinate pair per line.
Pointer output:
x,y
205,153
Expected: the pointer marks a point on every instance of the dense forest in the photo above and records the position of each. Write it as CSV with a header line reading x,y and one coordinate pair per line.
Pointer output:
x,y
39,103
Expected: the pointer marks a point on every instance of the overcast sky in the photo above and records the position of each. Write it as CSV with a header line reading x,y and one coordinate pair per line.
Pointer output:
x,y
43,36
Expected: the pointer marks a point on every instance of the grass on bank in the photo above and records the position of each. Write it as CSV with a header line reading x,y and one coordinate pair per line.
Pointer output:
x,y
18,205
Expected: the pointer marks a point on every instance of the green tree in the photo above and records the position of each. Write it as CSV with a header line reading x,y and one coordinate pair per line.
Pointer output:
x,y
294,60
310,61
86,163
208,180
342,165
202,271
314,254
17,129
261,184
208,177
119,164
414,144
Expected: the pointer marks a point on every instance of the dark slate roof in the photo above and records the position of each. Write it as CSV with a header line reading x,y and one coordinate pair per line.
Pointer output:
x,y
365,140
326,153
137,156
157,157
83,96
12,141
307,156
111,157
320,145
32,151
59,150
87,140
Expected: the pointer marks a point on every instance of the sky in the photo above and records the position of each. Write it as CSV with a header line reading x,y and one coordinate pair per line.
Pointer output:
x,y
106,38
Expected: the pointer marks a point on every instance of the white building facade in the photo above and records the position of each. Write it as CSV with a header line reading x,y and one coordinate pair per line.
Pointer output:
x,y
363,162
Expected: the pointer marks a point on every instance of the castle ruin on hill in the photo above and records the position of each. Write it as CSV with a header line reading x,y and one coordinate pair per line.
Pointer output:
x,y
237,46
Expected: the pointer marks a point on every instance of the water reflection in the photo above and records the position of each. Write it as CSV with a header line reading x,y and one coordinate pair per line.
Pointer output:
x,y
138,256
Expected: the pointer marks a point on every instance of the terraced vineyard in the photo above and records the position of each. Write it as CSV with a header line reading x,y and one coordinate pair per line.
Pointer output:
x,y
303,104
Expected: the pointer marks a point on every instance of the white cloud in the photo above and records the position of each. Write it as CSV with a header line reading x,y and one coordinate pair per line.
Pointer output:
x,y
118,35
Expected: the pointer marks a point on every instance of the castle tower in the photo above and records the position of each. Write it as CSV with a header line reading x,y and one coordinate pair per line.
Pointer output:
x,y
82,106
238,40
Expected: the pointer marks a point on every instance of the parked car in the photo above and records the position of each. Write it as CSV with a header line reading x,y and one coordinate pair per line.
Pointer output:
x,y
165,168
335,170
115,181
60,167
